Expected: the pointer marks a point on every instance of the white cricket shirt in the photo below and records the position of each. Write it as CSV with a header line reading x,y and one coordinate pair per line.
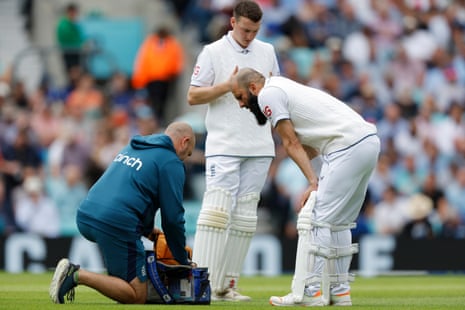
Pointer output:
x,y
232,131
320,120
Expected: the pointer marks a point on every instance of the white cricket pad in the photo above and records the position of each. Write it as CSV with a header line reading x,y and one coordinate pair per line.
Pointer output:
x,y
303,260
333,256
242,229
210,236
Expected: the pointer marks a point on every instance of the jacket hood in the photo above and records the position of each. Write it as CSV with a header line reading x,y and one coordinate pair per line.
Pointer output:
x,y
152,141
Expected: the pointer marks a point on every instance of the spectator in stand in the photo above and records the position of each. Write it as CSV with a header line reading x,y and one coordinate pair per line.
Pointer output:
x,y
70,38
197,15
349,80
108,140
274,16
441,218
437,163
441,80
119,92
69,148
158,64
46,124
18,157
389,215
450,129
419,208
67,190
3,206
404,74
381,179
86,100
455,193
366,103
418,41
34,211
358,47
409,141
391,124
146,121
19,95
408,176
346,21
386,28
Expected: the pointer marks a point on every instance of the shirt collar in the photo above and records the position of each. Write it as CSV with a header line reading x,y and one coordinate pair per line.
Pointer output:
x,y
236,46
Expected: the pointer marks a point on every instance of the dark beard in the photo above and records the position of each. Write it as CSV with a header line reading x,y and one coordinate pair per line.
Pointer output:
x,y
253,106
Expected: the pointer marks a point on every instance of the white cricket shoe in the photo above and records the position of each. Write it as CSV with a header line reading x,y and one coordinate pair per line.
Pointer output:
x,y
288,301
229,294
341,300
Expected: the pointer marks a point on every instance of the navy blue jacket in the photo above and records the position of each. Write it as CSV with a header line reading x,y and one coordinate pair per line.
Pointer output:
x,y
145,176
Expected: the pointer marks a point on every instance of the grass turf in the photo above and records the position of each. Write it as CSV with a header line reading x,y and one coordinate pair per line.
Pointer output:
x,y
30,291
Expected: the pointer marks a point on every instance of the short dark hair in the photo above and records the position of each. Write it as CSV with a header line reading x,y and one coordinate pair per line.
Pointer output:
x,y
245,76
248,9
72,7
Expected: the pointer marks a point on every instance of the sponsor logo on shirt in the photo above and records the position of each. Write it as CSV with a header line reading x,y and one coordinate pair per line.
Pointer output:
x,y
267,111
196,70
132,162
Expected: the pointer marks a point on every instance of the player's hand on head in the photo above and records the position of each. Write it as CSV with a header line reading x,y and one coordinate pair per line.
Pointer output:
x,y
232,76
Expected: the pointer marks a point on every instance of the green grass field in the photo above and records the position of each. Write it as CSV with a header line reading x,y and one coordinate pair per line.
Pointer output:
x,y
30,291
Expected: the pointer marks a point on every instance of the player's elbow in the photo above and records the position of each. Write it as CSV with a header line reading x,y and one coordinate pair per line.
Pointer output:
x,y
192,97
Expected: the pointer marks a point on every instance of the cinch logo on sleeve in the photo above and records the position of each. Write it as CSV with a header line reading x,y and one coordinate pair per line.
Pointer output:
x,y
128,161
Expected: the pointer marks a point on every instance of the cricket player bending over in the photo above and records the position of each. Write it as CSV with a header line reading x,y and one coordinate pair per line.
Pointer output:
x,y
311,122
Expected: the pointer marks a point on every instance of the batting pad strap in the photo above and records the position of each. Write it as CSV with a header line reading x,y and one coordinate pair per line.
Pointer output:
x,y
304,221
213,218
243,223
252,197
331,253
333,278
313,279
341,278
334,227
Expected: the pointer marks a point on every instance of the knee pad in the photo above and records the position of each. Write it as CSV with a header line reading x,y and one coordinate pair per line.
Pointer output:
x,y
244,215
215,210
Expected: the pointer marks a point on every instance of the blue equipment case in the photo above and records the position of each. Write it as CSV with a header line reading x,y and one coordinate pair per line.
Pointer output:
x,y
176,284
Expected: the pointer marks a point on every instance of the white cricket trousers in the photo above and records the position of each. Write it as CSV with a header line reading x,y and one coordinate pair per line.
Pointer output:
x,y
341,191
238,175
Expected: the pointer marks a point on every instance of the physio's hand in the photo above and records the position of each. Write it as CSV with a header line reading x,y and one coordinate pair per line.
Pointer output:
x,y
154,234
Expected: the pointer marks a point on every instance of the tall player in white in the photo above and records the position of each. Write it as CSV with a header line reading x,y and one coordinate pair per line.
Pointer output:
x,y
310,122
238,151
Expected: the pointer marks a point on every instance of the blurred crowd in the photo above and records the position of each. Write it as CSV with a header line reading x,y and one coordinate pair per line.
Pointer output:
x,y
399,63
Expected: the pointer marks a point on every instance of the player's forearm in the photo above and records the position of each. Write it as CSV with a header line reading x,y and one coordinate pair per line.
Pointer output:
x,y
201,95
296,150
297,153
